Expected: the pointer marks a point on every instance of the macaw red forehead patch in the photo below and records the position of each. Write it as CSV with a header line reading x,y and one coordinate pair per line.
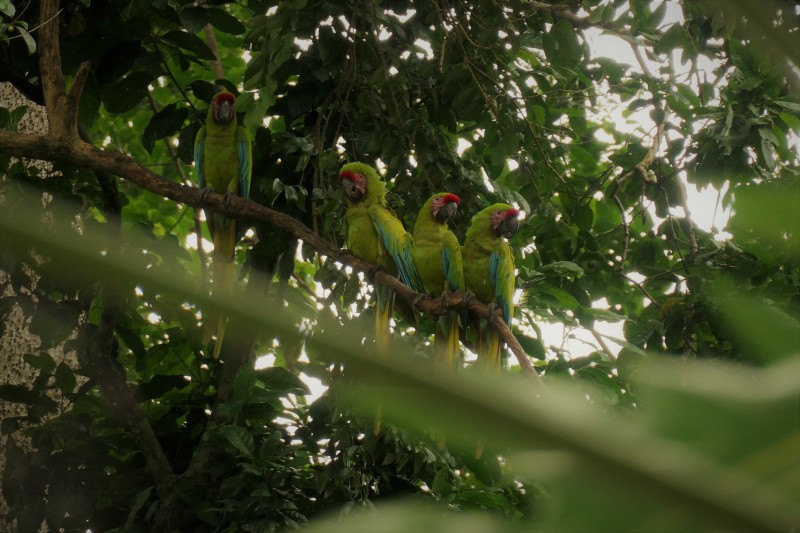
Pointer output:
x,y
225,97
451,198
358,180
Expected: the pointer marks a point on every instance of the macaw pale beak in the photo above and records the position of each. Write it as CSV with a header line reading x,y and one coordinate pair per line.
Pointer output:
x,y
447,212
508,227
224,112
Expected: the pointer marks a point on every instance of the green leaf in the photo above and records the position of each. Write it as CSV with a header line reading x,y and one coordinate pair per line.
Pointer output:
x,y
557,297
584,217
132,339
244,382
203,90
605,314
7,8
563,268
440,485
12,119
195,18
160,385
239,438
42,361
65,378
794,106
768,154
561,44
17,394
163,124
138,503
281,379
532,347
118,61
189,42
689,94
791,120
186,142
29,42
55,321
124,95
224,22
764,331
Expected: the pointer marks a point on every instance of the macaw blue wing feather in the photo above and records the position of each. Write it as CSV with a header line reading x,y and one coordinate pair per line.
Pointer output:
x,y
199,145
452,263
499,276
398,243
245,161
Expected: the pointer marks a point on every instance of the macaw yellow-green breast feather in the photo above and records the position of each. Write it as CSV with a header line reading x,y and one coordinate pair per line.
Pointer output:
x,y
437,254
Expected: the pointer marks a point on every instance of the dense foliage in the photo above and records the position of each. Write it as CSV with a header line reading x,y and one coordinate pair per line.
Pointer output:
x,y
490,100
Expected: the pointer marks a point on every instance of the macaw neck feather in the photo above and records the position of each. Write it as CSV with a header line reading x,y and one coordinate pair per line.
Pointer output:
x,y
425,218
215,128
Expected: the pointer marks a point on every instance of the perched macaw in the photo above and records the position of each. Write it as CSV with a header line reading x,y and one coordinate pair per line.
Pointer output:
x,y
437,257
376,235
223,160
489,274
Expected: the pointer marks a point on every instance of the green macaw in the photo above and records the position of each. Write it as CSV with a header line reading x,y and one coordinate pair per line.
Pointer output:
x,y
223,159
437,257
489,273
376,235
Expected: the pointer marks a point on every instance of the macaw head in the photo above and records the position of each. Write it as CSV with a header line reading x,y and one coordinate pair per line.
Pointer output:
x,y
223,107
354,185
444,206
504,220
359,181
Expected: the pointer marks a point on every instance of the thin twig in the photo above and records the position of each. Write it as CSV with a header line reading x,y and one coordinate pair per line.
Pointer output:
x,y
603,345
641,288
211,40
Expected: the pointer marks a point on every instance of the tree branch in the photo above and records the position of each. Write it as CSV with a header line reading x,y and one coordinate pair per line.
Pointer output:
x,y
112,380
81,154
62,144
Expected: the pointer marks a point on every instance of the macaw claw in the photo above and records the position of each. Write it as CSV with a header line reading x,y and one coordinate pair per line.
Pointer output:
x,y
468,297
345,252
227,197
204,192
417,300
374,270
445,298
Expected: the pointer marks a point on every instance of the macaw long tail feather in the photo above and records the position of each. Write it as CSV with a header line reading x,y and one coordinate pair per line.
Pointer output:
x,y
488,340
445,353
384,302
223,286
223,232
492,349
